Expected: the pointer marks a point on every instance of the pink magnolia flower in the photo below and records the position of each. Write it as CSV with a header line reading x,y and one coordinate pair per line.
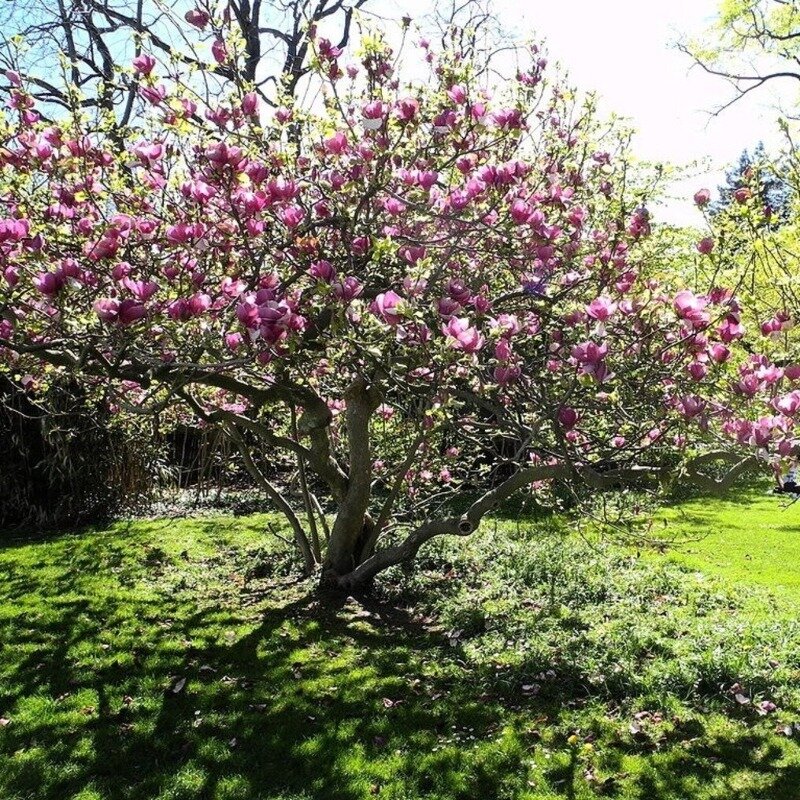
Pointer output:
x,y
406,109
502,350
199,303
247,313
50,283
291,216
124,312
153,94
769,374
461,335
520,211
348,289
372,115
106,309
698,370
336,144
507,325
219,51
394,206
11,275
13,230
506,374
387,306
143,64
568,417
384,411
250,104
447,307
589,353
141,290
458,290
322,271
601,309
233,341
282,189
691,406
131,311
197,17
730,330
148,152
639,224
788,404
457,93
327,49
705,246
507,118
690,307
719,353
702,197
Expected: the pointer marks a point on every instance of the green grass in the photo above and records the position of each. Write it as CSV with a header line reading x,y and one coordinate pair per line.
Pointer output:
x,y
751,538
518,664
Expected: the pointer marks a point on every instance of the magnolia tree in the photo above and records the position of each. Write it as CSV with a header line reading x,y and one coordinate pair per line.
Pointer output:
x,y
427,296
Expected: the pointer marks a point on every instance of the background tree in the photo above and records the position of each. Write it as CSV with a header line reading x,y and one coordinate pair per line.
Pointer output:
x,y
751,43
73,52
754,176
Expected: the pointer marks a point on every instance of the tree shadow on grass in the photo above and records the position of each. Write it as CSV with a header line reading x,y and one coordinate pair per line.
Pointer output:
x,y
287,694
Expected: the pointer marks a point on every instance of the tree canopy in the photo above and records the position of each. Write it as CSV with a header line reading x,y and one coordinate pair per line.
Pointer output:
x,y
427,294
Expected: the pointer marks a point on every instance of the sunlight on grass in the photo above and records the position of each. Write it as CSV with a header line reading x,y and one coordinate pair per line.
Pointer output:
x,y
752,538
183,659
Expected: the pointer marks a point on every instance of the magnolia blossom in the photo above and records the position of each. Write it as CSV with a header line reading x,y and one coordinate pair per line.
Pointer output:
x,y
702,197
705,246
568,417
690,307
388,306
462,336
601,309
124,312
143,64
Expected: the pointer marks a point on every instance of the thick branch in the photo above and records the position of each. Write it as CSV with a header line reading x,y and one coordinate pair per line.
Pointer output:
x,y
469,522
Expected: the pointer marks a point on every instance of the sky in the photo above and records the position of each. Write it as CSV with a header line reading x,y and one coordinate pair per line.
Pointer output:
x,y
625,51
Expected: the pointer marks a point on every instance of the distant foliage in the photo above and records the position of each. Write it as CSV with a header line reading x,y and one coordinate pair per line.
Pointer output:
x,y
64,462
755,176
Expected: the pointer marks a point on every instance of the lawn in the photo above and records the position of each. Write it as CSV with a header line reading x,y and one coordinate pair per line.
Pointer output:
x,y
752,538
183,659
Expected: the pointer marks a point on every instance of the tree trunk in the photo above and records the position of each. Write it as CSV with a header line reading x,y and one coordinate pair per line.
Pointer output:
x,y
353,526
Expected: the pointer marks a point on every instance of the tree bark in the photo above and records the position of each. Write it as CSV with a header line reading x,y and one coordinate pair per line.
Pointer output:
x,y
349,533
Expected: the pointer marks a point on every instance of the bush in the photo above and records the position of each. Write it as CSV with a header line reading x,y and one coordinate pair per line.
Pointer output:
x,y
66,460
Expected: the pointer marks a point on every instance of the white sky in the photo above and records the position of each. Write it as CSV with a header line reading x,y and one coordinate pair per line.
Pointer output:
x,y
624,50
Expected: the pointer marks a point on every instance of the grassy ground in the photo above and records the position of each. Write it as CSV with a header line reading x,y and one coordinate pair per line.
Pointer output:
x,y
181,659
752,538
